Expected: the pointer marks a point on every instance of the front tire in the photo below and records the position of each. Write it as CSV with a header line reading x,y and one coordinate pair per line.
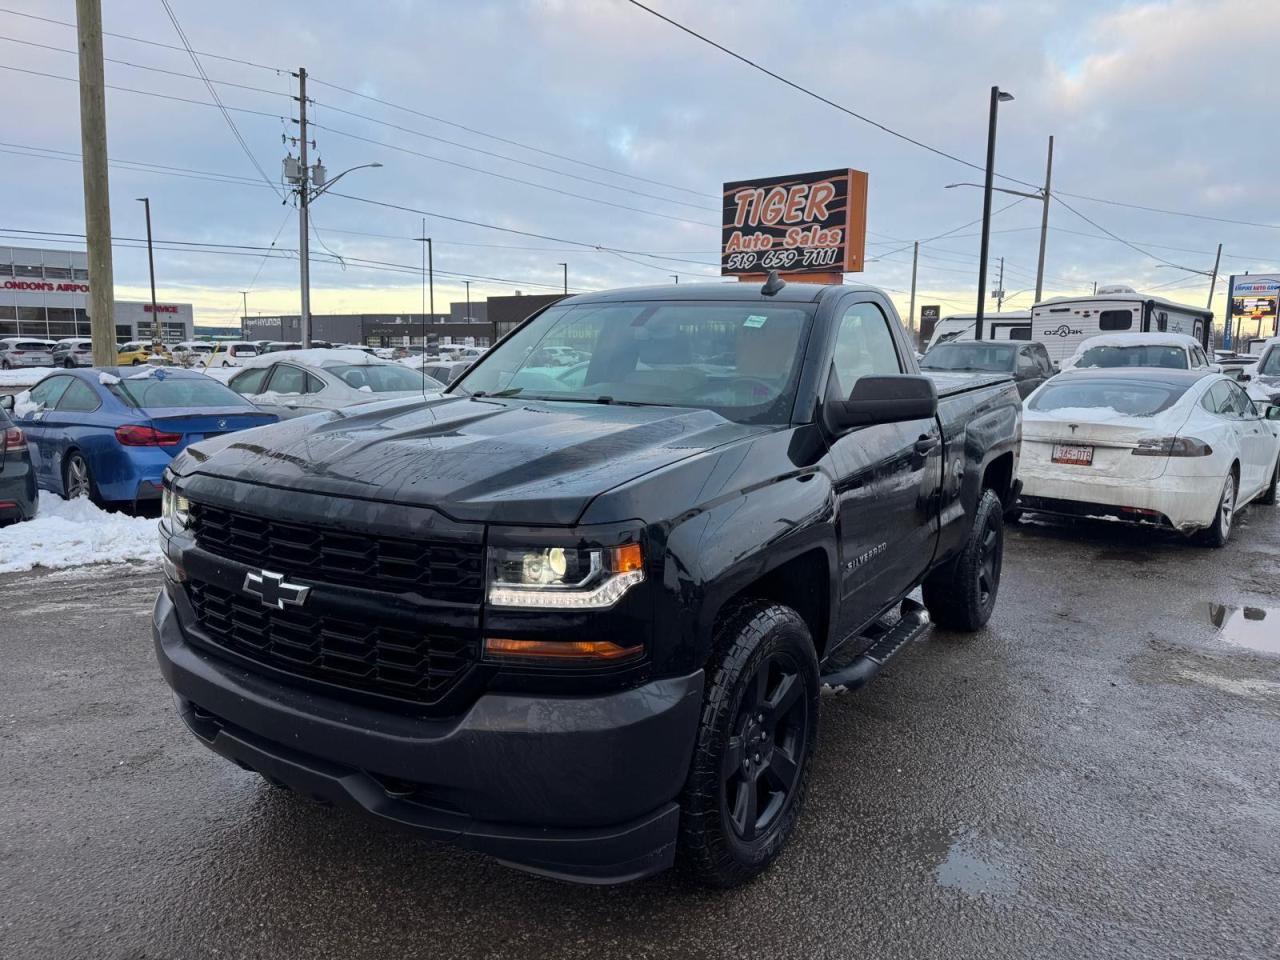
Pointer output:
x,y
136,362
68,364
1219,531
961,594
754,747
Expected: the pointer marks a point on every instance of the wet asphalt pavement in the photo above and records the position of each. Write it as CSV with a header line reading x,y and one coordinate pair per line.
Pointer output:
x,y
1096,774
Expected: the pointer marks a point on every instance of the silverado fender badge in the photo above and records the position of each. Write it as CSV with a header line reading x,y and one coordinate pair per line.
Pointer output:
x,y
273,590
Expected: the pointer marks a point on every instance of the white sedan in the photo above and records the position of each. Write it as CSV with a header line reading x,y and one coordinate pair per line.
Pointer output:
x,y
296,382
1183,449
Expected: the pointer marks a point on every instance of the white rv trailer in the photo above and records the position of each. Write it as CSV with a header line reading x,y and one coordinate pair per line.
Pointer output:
x,y
1013,325
1061,323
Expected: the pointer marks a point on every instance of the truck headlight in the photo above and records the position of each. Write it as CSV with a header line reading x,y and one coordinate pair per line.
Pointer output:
x,y
175,509
563,578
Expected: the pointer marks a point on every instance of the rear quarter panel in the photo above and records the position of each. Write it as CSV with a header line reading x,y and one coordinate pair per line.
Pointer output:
x,y
978,427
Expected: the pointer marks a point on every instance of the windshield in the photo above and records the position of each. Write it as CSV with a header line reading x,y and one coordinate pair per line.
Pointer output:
x,y
741,360
1102,397
1139,355
1269,365
970,355
382,377
154,393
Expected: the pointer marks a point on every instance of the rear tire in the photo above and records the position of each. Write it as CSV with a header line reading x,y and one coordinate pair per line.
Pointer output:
x,y
1219,531
69,364
961,594
1269,495
136,362
754,746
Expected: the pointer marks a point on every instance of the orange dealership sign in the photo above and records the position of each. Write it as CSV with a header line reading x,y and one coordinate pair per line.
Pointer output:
x,y
810,223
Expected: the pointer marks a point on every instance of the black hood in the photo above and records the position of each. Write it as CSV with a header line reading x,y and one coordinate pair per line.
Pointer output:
x,y
489,460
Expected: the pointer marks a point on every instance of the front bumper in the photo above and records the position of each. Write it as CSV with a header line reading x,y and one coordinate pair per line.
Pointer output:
x,y
581,788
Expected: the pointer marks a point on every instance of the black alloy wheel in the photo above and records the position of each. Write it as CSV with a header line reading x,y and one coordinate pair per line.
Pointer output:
x,y
763,755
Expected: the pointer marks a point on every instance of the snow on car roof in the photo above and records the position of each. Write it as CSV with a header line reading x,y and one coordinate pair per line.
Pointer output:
x,y
1154,339
316,357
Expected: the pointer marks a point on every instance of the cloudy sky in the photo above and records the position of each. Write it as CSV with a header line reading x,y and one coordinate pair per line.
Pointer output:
x,y
593,123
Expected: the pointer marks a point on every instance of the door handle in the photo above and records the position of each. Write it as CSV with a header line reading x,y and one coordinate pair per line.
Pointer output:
x,y
925,444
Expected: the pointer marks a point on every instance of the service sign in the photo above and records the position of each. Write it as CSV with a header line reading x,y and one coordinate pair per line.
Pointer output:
x,y
807,223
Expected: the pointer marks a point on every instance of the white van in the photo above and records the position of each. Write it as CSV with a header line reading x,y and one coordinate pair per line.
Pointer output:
x,y
1063,323
1013,325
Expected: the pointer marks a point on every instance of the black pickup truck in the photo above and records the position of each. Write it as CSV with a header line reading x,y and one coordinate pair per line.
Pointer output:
x,y
578,617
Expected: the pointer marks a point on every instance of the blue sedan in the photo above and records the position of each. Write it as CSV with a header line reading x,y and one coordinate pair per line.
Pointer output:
x,y
109,433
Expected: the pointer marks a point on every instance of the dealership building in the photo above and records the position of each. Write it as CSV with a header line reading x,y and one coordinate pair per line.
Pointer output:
x,y
489,321
45,294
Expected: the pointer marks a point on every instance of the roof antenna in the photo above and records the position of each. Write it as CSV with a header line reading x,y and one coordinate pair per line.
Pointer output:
x,y
772,284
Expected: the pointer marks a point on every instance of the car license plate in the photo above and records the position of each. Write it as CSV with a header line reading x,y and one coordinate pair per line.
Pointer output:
x,y
1072,454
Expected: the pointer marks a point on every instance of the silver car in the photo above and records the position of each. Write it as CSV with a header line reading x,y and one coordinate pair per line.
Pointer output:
x,y
25,352
73,352
298,382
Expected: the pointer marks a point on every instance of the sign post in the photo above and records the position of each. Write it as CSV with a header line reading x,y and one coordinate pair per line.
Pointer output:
x,y
930,314
810,227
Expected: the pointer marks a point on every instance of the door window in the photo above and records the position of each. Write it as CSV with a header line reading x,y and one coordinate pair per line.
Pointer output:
x,y
79,396
250,382
48,393
1240,401
288,379
864,347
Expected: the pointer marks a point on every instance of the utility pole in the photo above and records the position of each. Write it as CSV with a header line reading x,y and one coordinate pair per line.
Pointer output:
x,y
97,201
997,95
1044,223
566,278
911,312
156,339
244,298
468,283
1213,279
1095,288
676,278
304,203
999,292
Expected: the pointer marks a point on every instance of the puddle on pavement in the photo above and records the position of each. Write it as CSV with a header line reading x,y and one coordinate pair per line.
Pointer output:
x,y
1256,628
960,868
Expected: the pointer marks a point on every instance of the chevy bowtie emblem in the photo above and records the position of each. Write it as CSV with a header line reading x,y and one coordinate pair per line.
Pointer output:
x,y
273,590
1073,426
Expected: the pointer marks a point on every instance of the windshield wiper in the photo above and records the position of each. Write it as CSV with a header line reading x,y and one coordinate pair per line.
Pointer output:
x,y
509,392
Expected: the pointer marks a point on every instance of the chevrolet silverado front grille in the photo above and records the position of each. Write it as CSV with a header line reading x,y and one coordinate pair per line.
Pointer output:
x,y
438,569
417,665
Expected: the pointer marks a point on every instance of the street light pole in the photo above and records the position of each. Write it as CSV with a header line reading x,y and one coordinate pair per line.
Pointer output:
x,y
997,95
1213,280
468,284
156,339
566,278
676,278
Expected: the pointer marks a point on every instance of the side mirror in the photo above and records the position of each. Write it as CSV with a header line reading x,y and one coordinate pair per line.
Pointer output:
x,y
1245,377
6,403
891,399
1273,412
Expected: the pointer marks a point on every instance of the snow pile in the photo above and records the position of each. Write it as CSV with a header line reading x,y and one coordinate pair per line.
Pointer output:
x,y
70,533
221,374
24,376
108,379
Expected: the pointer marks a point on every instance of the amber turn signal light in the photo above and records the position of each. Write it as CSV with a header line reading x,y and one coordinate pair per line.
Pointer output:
x,y
559,651
627,558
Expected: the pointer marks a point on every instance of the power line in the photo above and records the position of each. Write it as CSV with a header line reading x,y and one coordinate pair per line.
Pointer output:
x,y
151,43
1132,246
512,230
510,142
510,159
1171,213
235,131
137,167
819,97
503,176
143,66
144,93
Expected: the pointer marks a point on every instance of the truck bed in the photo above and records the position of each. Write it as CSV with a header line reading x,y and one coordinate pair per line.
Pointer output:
x,y
954,384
